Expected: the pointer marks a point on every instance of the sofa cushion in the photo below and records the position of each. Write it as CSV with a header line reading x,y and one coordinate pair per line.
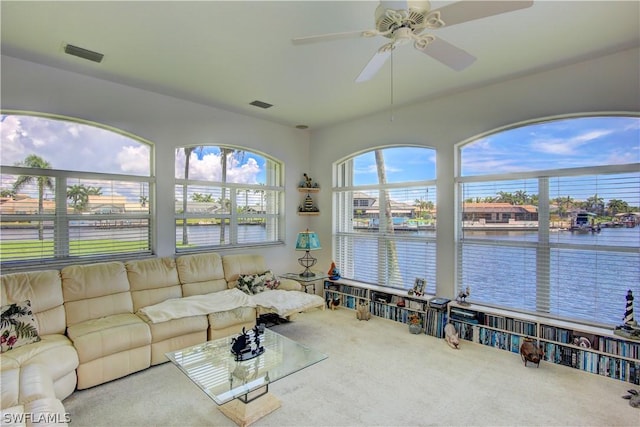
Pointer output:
x,y
201,273
97,338
95,290
235,265
153,281
44,290
224,319
18,326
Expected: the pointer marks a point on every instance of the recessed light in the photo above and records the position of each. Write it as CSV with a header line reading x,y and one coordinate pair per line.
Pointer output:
x,y
83,53
260,104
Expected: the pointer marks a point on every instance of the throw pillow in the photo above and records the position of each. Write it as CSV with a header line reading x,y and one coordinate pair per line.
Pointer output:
x,y
18,326
271,281
256,283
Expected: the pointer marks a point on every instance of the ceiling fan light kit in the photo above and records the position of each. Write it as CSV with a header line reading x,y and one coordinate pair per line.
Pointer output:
x,y
403,22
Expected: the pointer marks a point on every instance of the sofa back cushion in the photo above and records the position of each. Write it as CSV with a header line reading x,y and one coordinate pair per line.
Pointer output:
x,y
44,290
235,265
201,273
153,281
95,290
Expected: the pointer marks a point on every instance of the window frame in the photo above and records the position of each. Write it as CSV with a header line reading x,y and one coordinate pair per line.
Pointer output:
x,y
61,217
342,228
544,246
273,215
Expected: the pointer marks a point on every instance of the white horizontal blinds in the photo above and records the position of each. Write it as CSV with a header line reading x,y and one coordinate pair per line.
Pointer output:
x,y
115,219
370,250
498,273
592,269
77,218
218,215
546,264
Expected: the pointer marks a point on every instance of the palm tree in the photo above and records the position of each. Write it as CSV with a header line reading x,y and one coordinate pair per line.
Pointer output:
x,y
36,162
617,206
224,156
78,196
393,272
187,155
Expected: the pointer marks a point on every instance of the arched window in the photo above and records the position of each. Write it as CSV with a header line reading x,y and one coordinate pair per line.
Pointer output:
x,y
385,217
549,217
226,196
72,190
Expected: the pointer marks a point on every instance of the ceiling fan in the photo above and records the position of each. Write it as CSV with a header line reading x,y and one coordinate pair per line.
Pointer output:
x,y
404,21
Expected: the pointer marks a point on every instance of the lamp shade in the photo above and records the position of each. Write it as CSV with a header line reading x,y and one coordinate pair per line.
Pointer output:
x,y
307,241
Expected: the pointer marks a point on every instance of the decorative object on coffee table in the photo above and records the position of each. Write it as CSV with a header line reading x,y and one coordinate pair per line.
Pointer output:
x,y
307,241
248,344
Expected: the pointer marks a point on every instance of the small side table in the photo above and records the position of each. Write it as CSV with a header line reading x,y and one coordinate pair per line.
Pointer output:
x,y
306,281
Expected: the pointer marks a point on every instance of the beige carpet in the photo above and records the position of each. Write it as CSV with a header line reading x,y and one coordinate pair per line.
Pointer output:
x,y
377,374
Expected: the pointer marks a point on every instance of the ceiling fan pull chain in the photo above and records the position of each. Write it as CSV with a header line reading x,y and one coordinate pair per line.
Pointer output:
x,y
391,107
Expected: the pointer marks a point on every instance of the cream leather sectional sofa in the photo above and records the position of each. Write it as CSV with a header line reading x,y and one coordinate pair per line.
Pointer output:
x,y
93,324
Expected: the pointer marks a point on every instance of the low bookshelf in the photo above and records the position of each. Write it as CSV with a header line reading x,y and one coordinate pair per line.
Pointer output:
x,y
383,302
588,348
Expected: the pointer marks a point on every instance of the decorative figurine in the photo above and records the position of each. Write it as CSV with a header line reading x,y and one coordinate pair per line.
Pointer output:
x,y
633,397
629,328
308,205
451,336
307,182
334,272
362,311
462,296
530,352
247,345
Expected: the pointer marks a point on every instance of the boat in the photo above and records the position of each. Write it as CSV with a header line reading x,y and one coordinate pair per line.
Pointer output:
x,y
584,222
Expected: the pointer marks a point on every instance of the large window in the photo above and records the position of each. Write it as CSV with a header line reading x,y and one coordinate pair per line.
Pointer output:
x,y
385,217
72,190
226,196
550,218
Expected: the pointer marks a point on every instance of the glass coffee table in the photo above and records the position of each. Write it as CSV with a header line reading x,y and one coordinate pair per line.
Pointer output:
x,y
241,388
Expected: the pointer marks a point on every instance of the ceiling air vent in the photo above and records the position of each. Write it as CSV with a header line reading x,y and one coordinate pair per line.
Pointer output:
x,y
260,104
83,53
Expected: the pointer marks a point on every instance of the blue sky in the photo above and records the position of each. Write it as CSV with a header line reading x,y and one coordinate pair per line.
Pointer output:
x,y
568,143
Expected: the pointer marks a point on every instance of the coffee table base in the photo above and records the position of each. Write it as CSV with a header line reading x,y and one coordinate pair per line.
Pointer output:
x,y
245,414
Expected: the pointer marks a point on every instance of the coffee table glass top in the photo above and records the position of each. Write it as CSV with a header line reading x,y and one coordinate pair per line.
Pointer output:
x,y
213,368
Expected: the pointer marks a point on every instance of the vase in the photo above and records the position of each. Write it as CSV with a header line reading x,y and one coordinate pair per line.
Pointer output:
x,y
414,328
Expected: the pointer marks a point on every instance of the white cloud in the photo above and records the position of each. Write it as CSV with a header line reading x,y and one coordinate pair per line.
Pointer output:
x,y
565,146
134,159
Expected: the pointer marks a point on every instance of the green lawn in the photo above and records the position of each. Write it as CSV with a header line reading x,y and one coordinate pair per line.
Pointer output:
x,y
33,249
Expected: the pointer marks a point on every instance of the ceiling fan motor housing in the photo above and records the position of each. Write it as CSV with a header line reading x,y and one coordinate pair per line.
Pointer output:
x,y
389,20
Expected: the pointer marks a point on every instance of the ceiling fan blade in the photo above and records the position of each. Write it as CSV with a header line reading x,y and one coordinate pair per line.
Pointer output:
x,y
327,37
469,10
373,66
395,4
450,55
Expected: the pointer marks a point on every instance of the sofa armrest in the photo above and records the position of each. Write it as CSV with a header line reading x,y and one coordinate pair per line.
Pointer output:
x,y
289,285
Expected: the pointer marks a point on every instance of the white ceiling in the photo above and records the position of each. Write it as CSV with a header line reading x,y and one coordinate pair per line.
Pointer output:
x,y
229,53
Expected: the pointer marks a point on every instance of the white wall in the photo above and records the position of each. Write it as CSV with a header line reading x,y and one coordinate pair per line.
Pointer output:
x,y
607,84
168,123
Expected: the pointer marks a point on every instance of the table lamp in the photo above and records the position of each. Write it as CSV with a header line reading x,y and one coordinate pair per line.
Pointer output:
x,y
307,241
